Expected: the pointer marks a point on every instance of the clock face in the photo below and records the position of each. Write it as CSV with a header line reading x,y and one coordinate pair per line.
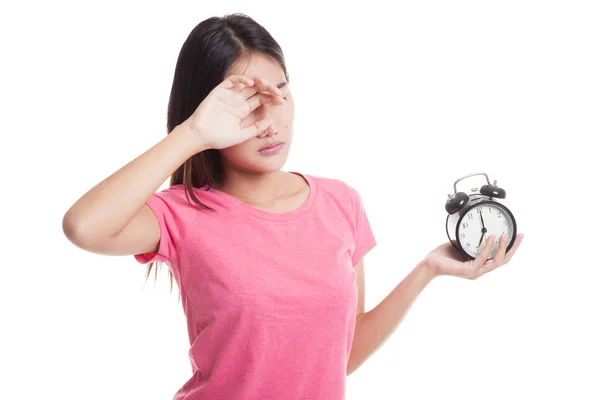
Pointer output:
x,y
482,220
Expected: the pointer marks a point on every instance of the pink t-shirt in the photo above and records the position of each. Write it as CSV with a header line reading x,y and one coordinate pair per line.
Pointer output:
x,y
270,298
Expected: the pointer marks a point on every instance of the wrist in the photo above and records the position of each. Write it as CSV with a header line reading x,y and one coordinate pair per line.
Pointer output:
x,y
428,269
192,139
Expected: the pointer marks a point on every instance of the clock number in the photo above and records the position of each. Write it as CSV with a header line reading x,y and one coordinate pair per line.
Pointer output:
x,y
462,235
478,210
470,216
464,225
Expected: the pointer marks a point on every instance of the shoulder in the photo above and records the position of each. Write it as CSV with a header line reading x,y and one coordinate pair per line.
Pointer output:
x,y
178,193
337,190
176,199
172,194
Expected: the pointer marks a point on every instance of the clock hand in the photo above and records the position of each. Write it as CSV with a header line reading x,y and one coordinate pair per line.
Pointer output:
x,y
483,230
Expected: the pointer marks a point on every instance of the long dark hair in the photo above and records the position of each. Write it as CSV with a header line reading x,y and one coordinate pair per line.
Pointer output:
x,y
205,58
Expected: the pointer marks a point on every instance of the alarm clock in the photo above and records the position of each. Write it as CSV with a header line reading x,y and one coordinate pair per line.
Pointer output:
x,y
473,217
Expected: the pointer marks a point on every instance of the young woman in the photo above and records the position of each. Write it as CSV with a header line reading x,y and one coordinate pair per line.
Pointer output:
x,y
268,263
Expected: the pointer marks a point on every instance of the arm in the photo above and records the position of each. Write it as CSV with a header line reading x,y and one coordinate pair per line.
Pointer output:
x,y
374,327
105,210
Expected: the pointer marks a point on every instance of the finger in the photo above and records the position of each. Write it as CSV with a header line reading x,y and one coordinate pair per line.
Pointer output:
x,y
501,251
255,101
262,87
249,91
483,254
265,87
514,247
233,80
242,87
256,128
492,263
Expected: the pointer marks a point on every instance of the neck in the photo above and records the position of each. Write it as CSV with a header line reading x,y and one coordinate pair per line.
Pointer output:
x,y
254,187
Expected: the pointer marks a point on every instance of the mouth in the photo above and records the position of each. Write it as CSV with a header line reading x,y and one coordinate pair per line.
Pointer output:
x,y
271,146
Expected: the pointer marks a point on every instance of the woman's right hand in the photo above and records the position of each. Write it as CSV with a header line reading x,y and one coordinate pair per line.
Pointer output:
x,y
218,121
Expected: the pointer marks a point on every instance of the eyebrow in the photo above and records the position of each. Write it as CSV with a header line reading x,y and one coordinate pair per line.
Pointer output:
x,y
282,84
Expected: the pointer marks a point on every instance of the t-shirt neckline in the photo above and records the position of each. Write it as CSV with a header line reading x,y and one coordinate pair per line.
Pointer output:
x,y
271,216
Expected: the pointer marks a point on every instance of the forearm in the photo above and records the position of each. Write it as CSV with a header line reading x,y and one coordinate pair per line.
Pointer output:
x,y
374,327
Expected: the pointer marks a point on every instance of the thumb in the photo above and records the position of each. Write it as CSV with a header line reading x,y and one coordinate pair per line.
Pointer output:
x,y
256,128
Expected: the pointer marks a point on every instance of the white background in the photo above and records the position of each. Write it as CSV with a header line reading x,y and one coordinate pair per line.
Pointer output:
x,y
397,99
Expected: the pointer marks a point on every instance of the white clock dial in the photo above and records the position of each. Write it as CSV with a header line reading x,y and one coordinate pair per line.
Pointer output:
x,y
480,222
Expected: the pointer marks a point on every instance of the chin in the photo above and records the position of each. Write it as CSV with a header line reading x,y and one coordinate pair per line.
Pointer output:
x,y
268,166
261,165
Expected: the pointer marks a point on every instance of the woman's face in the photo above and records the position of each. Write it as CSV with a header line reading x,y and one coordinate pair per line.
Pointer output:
x,y
246,156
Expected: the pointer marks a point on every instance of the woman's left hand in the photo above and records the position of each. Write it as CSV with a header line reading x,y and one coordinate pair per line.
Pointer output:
x,y
447,260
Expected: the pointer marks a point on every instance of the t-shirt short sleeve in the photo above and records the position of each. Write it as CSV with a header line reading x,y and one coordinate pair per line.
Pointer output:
x,y
167,208
364,238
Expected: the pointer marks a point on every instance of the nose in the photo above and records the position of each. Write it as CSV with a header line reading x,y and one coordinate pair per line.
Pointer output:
x,y
266,110
270,131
